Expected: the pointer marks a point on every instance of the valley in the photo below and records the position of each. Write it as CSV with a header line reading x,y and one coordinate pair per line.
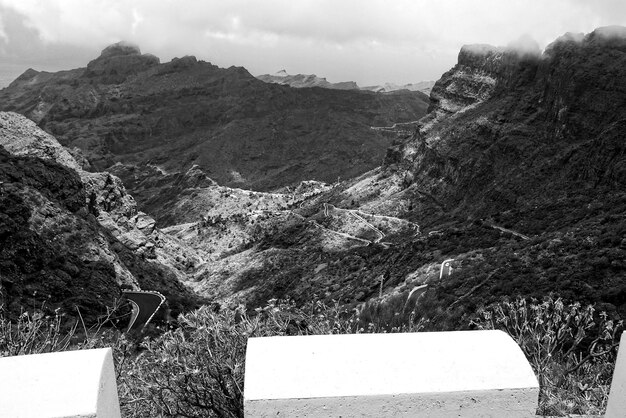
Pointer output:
x,y
247,191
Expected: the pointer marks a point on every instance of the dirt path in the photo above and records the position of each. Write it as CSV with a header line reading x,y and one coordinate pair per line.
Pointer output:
x,y
510,231
341,234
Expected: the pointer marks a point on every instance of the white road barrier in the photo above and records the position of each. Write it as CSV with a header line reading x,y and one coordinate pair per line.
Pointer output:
x,y
438,374
443,374
61,385
616,407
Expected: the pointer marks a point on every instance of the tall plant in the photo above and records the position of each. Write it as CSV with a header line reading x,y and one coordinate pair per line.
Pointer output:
x,y
572,349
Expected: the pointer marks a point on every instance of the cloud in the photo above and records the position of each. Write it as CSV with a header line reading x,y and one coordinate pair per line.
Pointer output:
x,y
137,19
525,46
22,44
3,34
370,41
610,32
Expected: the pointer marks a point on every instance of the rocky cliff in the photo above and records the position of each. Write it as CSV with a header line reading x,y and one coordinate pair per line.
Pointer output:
x,y
506,128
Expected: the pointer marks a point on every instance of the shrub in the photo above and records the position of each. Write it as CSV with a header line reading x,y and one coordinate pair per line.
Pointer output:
x,y
32,333
397,313
571,348
198,368
35,332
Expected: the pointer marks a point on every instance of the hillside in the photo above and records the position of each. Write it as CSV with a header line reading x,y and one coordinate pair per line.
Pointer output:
x,y
73,240
126,107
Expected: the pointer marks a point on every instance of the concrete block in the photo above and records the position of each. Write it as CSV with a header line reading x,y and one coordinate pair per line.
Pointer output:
x,y
61,385
616,407
436,374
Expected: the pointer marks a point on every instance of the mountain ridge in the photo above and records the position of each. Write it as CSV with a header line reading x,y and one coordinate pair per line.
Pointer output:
x,y
125,108
304,80
311,80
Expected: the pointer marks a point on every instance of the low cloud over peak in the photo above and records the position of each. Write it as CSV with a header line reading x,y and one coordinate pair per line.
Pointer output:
x,y
613,31
525,46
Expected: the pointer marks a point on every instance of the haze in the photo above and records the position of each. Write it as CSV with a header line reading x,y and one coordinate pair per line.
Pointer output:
x,y
367,41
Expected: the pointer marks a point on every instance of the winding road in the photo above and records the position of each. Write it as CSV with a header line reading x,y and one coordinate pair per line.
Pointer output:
x,y
145,304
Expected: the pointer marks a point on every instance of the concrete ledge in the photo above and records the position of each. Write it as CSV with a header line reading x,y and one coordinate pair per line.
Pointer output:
x,y
440,374
61,385
616,406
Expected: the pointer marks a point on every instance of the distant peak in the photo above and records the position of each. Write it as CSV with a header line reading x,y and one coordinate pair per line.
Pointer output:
x,y
184,62
524,46
30,73
281,73
608,33
480,49
569,37
614,31
118,61
119,49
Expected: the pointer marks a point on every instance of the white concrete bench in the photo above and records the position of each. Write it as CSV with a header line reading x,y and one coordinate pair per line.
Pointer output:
x,y
61,385
438,374
616,406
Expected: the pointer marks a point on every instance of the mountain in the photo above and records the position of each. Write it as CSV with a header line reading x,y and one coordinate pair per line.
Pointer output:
x,y
517,174
70,239
422,86
128,108
304,80
311,80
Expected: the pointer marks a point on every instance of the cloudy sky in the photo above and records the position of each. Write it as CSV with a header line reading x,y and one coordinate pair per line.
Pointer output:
x,y
368,41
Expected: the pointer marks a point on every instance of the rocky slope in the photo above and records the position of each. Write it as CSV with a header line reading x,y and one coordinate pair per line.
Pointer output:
x,y
517,173
127,108
72,239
